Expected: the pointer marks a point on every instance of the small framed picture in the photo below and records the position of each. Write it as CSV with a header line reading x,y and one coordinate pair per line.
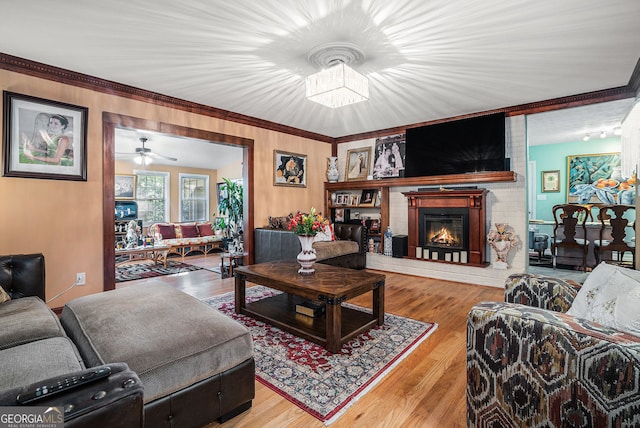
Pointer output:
x,y
368,198
342,199
289,169
354,200
551,181
358,161
125,186
339,215
44,138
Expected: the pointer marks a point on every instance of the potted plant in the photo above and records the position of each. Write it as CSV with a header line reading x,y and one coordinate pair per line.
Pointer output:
x,y
219,225
231,205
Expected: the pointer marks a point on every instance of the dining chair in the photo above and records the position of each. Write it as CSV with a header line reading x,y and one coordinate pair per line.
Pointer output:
x,y
570,231
616,237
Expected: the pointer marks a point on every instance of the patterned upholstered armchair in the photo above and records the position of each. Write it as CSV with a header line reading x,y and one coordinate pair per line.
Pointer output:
x,y
531,365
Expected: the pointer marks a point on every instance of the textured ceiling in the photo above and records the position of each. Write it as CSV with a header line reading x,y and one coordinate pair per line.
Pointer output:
x,y
425,60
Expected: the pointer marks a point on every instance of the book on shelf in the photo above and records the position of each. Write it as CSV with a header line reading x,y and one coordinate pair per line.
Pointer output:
x,y
310,308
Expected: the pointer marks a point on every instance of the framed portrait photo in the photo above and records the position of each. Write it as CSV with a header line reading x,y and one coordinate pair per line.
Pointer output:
x,y
289,169
551,181
389,157
368,198
124,186
358,161
44,139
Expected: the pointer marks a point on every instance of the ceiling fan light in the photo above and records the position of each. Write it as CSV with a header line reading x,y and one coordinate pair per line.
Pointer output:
x,y
143,160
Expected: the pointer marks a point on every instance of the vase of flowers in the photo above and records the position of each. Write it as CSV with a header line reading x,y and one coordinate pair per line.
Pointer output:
x,y
306,226
501,240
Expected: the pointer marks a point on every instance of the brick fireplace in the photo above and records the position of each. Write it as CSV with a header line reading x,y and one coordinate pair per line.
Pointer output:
x,y
448,225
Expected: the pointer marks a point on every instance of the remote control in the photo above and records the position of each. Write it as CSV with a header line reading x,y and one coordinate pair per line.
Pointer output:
x,y
63,384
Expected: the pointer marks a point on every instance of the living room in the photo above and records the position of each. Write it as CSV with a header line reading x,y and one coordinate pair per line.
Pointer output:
x,y
71,221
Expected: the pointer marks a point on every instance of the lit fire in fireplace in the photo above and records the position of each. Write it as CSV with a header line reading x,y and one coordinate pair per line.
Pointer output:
x,y
444,237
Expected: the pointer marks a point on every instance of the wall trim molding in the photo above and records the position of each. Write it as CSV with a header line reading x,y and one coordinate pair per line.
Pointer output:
x,y
49,72
60,75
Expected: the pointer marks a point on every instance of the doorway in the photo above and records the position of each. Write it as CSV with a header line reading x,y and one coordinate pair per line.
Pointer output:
x,y
111,122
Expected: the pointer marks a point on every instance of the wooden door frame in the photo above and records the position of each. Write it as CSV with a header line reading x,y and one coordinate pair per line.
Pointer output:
x,y
111,121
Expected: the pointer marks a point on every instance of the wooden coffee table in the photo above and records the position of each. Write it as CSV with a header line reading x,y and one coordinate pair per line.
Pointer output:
x,y
329,284
157,253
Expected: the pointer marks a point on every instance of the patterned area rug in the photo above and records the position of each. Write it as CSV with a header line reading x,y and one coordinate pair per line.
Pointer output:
x,y
319,382
133,271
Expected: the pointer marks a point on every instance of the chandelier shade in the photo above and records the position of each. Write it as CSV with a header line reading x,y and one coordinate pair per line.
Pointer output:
x,y
337,86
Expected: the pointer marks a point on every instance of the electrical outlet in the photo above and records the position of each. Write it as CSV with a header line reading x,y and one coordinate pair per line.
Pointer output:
x,y
81,278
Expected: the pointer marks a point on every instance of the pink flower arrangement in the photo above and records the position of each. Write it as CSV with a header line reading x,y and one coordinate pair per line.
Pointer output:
x,y
308,224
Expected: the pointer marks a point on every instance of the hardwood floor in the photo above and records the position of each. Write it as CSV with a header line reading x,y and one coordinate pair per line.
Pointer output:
x,y
427,389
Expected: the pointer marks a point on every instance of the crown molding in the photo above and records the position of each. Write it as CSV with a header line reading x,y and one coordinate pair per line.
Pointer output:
x,y
44,71
68,77
587,98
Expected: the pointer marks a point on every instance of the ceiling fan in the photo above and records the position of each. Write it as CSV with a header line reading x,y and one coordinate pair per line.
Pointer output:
x,y
144,156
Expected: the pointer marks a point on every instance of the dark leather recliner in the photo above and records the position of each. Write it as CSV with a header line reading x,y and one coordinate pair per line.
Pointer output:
x,y
281,244
23,275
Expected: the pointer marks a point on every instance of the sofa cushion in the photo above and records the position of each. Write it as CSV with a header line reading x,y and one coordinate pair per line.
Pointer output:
x,y
610,296
326,250
34,361
170,339
205,229
189,231
26,320
167,231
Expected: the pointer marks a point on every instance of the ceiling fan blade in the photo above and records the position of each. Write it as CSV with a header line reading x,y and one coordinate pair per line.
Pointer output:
x,y
156,155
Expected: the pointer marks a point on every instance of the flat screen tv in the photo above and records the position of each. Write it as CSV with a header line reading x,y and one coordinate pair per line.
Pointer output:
x,y
461,146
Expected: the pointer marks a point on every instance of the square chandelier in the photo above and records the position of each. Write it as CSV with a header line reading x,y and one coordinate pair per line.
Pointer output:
x,y
337,86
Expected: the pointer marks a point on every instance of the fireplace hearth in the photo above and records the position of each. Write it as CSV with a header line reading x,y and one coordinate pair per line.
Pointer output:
x,y
448,226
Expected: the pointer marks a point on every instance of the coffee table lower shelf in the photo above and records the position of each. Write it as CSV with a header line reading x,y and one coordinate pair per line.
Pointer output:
x,y
280,311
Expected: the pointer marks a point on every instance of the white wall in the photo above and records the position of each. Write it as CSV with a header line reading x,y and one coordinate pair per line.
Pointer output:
x,y
506,203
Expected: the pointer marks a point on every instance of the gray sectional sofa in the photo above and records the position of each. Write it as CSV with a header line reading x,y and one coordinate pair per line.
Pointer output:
x,y
175,361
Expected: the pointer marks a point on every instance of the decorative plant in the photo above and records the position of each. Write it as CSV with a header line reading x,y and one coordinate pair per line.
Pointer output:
x,y
308,224
220,223
231,203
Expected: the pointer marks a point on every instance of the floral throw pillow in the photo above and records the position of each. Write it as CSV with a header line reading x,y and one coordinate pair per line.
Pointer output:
x,y
326,234
611,298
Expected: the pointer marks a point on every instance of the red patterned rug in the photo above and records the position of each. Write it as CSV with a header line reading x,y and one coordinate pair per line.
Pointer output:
x,y
319,382
129,272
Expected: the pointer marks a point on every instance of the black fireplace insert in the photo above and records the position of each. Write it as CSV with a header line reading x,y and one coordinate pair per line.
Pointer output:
x,y
444,228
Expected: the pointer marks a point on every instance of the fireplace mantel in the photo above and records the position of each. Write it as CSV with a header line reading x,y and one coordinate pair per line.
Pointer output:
x,y
473,199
